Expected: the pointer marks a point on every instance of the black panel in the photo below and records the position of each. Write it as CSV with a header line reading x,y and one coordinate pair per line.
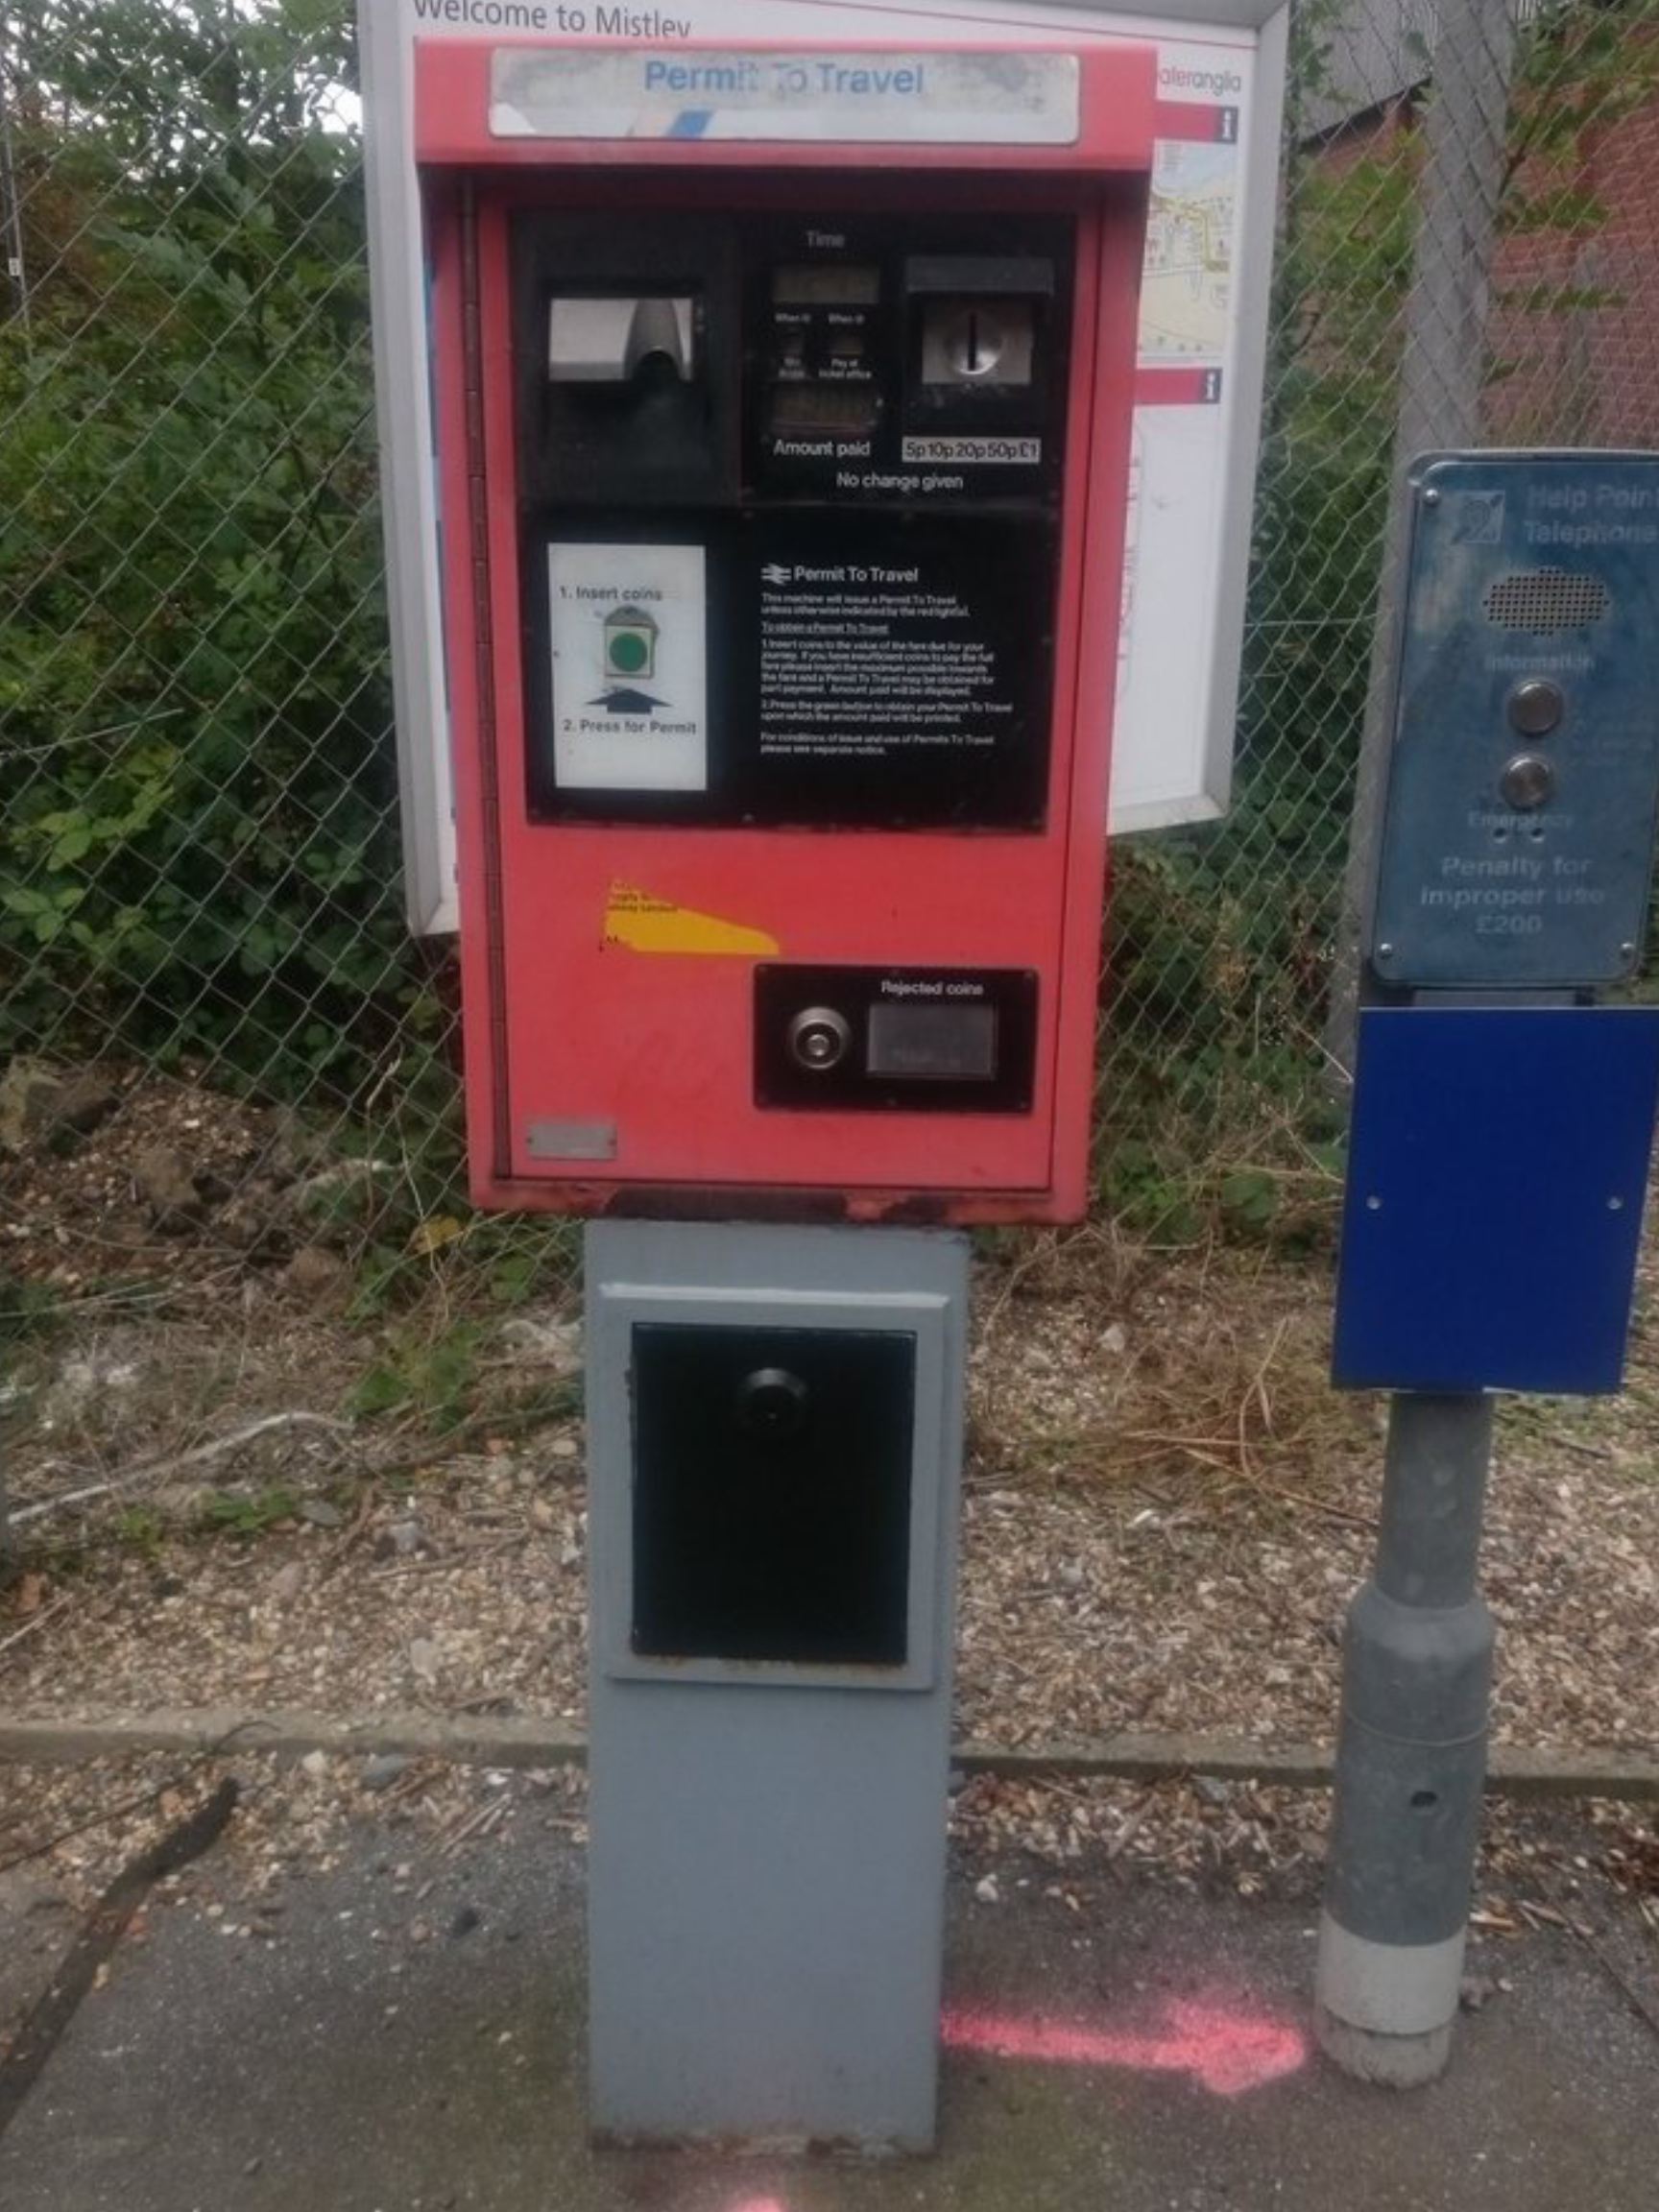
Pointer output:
x,y
891,1040
651,439
912,689
835,383
869,454
771,1493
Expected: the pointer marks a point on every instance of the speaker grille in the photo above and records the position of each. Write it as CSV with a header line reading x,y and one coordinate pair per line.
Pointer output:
x,y
1539,599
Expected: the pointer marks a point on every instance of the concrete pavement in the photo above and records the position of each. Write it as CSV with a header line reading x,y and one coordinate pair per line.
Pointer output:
x,y
1148,2054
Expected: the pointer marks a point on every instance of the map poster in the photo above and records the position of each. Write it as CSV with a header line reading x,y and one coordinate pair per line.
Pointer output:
x,y
1186,287
1186,429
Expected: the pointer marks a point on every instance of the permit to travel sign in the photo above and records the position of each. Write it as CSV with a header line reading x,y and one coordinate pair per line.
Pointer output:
x,y
876,74
882,96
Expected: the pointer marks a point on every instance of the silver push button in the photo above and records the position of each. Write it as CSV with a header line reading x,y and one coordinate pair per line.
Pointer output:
x,y
1526,781
1535,707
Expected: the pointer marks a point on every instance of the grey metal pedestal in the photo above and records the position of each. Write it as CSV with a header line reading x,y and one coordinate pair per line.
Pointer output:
x,y
1411,1757
775,1424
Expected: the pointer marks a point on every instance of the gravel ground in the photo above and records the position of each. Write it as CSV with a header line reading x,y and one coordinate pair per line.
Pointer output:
x,y
1166,1512
1199,1590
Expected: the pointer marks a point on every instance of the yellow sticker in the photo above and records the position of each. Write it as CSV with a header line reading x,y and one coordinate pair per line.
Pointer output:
x,y
648,923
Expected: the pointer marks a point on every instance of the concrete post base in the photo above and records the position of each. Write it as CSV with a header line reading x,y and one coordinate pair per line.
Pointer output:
x,y
1390,2062
1385,2012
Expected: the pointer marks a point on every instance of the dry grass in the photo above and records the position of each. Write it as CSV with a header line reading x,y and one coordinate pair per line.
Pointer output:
x,y
1198,1374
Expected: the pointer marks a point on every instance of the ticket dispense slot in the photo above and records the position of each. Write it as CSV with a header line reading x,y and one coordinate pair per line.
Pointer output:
x,y
621,340
625,351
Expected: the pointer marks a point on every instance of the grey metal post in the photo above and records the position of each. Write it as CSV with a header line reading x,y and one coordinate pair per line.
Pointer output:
x,y
10,206
1441,369
1411,1756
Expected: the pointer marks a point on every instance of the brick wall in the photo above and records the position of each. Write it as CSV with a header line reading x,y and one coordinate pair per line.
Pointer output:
x,y
1572,323
1576,319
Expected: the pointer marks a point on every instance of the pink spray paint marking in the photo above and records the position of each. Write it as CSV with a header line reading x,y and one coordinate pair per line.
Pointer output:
x,y
759,2204
1224,2050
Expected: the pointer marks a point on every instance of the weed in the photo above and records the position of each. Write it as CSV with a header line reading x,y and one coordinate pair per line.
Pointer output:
x,y
1221,1146
246,1513
431,1378
139,1528
27,1310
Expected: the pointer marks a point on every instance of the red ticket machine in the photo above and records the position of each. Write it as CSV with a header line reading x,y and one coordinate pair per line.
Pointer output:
x,y
783,404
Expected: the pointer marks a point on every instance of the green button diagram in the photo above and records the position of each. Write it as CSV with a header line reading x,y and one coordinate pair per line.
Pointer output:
x,y
630,642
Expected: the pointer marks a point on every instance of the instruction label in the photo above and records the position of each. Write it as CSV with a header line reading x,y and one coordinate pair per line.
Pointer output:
x,y
973,452
862,661
629,641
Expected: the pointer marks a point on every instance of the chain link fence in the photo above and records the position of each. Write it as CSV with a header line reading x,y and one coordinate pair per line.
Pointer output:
x,y
197,846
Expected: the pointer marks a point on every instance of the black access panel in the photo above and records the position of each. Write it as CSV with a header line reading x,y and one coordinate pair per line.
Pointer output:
x,y
772,1483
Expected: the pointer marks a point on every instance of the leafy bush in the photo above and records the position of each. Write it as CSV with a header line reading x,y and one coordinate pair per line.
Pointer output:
x,y
194,706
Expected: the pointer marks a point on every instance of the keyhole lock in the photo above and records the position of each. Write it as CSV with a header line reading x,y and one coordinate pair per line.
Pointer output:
x,y
1526,781
772,1403
818,1038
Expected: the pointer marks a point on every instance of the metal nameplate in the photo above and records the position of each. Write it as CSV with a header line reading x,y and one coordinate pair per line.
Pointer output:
x,y
1524,780
571,1140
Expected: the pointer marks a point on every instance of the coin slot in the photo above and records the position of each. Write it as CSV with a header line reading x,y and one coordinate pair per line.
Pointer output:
x,y
988,343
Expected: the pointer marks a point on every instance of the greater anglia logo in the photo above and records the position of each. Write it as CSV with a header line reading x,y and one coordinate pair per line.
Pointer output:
x,y
1173,78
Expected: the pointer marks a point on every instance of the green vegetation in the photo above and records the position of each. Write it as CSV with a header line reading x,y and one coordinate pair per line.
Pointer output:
x,y
242,1513
27,1310
1220,1120
195,849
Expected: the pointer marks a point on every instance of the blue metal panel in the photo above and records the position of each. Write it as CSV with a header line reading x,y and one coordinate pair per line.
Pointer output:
x,y
1496,1170
1525,774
